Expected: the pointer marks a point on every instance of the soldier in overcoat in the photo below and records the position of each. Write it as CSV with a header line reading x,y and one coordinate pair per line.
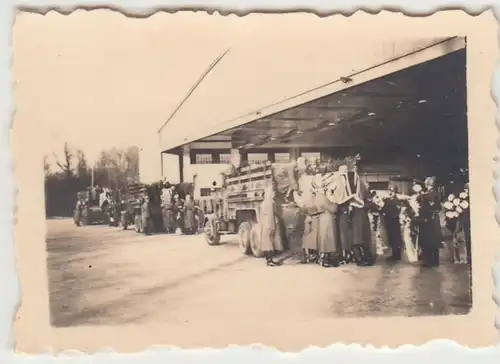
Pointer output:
x,y
168,210
390,211
189,209
269,229
430,236
354,223
320,231
146,216
78,212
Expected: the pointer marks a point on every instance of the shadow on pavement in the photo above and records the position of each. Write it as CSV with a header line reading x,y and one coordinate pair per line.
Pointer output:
x,y
402,289
74,280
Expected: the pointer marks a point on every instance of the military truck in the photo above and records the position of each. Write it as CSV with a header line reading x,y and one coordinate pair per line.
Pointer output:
x,y
133,203
237,208
91,213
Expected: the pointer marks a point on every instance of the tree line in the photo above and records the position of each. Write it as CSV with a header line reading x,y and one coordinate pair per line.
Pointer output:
x,y
115,168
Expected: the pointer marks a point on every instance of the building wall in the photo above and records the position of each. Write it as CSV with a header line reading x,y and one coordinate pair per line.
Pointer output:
x,y
379,164
170,167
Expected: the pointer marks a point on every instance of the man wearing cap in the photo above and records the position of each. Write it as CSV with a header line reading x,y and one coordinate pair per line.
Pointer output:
x,y
392,226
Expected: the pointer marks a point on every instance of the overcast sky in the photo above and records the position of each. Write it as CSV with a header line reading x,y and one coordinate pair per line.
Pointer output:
x,y
99,79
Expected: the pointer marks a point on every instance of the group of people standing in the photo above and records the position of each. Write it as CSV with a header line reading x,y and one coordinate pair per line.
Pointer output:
x,y
174,213
177,212
334,207
158,205
337,229
427,221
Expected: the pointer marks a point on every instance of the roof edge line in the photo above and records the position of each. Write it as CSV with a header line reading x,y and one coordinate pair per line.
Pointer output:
x,y
193,88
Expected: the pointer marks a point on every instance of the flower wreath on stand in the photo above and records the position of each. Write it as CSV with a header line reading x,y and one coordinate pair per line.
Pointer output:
x,y
409,216
455,207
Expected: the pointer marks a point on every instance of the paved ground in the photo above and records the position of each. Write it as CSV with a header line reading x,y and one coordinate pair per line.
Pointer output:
x,y
101,275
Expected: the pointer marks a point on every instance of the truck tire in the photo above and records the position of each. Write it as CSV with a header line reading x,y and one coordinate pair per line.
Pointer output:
x,y
244,232
255,241
212,237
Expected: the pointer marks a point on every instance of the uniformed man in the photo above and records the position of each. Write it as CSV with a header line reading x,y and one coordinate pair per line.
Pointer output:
x,y
146,216
269,229
390,211
430,237
320,232
78,212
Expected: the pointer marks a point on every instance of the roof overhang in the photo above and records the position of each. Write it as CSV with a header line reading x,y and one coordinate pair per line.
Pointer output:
x,y
351,99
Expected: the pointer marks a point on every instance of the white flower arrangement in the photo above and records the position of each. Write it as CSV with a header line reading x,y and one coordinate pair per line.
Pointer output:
x,y
379,201
414,204
410,209
455,206
417,188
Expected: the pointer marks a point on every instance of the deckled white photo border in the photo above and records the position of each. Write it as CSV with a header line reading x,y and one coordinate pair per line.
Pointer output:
x,y
438,351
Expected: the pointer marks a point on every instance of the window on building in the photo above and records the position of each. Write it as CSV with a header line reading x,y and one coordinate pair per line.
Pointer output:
x,y
311,157
203,159
205,192
257,157
282,157
225,158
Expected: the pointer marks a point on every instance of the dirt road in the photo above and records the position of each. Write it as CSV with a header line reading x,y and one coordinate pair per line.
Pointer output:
x,y
102,275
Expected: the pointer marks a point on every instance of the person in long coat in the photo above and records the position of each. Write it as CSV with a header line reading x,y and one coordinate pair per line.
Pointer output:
x,y
168,211
189,216
354,224
146,216
271,242
362,234
178,213
430,236
321,229
78,213
114,213
392,226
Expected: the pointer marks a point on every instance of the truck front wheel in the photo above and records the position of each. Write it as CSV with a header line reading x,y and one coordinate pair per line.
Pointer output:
x,y
255,241
244,232
212,237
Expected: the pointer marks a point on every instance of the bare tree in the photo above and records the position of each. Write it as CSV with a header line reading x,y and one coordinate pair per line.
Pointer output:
x,y
82,167
117,167
46,166
66,166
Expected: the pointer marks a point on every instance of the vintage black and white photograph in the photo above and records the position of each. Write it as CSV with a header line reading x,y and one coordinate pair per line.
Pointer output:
x,y
370,182
273,178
